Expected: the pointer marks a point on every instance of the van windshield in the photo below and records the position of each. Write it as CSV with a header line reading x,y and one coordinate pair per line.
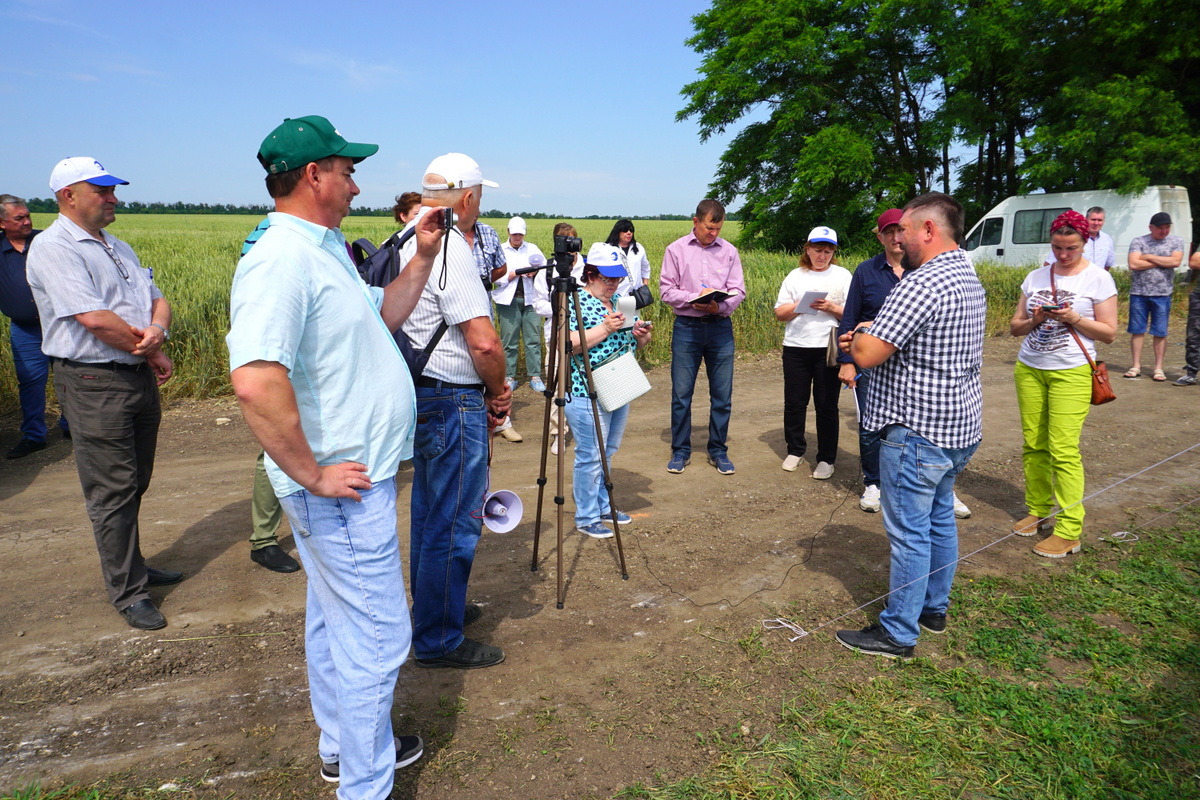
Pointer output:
x,y
991,232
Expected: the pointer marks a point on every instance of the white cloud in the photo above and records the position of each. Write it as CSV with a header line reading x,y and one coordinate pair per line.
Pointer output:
x,y
359,75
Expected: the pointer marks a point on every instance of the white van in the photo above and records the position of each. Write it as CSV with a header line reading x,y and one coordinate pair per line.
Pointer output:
x,y
1017,231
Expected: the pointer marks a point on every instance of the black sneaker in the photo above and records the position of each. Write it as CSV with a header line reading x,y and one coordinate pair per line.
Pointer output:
x,y
24,448
468,655
408,750
875,640
934,623
472,613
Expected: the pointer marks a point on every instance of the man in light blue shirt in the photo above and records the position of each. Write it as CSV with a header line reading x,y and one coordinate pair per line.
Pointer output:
x,y
328,396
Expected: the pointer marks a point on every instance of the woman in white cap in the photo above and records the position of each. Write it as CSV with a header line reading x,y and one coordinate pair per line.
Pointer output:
x,y
605,338
810,302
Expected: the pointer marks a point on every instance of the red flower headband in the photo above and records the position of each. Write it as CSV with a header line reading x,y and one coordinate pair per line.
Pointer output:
x,y
1071,219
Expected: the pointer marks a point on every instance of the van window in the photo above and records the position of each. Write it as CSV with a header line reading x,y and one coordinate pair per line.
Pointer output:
x,y
989,233
1033,226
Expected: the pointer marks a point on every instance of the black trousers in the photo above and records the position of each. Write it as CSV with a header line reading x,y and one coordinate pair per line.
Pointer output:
x,y
805,375
114,415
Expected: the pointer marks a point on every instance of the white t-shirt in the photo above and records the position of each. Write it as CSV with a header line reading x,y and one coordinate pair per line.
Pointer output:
x,y
812,330
1050,345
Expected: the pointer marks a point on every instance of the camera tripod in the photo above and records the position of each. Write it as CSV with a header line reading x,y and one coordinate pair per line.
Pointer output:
x,y
564,291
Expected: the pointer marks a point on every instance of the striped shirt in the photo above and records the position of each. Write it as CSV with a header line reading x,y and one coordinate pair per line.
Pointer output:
x,y
453,293
935,317
72,273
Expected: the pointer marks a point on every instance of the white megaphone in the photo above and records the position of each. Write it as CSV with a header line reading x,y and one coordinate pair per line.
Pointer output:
x,y
502,511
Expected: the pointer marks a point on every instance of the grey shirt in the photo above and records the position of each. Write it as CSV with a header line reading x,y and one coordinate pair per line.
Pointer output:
x,y
1156,281
72,273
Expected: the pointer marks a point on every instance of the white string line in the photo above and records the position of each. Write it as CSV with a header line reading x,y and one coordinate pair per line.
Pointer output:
x,y
776,624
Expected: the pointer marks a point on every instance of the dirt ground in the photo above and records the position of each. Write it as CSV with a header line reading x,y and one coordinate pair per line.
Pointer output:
x,y
631,681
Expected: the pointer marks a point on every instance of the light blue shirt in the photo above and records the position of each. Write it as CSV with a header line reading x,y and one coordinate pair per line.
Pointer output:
x,y
297,300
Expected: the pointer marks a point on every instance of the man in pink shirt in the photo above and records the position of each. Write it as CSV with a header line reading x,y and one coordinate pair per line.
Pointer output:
x,y
702,267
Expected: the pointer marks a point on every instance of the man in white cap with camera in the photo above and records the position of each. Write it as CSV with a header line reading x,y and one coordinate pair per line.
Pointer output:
x,y
460,395
103,327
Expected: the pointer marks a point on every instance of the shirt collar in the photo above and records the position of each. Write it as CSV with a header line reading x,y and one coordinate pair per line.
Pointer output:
x,y
693,240
317,234
79,234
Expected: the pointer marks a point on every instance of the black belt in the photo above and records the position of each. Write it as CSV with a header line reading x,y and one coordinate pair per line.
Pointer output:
x,y
434,383
706,319
102,365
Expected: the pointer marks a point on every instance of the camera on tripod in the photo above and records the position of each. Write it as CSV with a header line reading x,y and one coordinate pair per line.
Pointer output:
x,y
566,246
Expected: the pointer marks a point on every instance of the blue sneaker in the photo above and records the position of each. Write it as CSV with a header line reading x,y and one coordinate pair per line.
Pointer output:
x,y
622,518
722,463
596,531
677,463
537,384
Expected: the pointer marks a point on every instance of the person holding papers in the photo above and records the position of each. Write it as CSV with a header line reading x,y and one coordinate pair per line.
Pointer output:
x,y
810,302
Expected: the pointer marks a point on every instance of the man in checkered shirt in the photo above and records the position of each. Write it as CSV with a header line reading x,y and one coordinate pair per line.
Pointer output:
x,y
926,350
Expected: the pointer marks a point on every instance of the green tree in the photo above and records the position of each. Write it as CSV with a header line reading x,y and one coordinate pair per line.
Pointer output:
x,y
848,98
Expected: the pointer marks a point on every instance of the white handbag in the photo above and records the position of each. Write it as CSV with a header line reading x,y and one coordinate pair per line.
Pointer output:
x,y
619,381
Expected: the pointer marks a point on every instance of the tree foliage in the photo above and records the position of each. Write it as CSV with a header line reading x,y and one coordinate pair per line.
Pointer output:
x,y
843,109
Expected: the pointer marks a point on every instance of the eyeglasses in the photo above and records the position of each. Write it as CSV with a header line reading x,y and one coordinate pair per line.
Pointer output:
x,y
116,259
608,280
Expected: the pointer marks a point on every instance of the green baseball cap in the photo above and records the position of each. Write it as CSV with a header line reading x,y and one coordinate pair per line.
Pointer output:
x,y
299,141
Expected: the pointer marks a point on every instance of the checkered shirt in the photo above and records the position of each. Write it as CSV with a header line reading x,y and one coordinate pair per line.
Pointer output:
x,y
935,318
487,252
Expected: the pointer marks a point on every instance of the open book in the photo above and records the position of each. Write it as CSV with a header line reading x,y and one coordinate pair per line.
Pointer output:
x,y
710,296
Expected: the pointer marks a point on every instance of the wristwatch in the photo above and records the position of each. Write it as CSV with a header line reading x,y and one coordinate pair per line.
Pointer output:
x,y
166,333
859,330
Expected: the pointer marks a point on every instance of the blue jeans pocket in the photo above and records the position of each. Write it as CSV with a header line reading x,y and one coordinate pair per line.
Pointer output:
x,y
932,464
429,440
296,508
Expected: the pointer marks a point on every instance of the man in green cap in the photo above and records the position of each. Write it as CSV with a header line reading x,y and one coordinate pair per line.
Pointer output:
x,y
323,387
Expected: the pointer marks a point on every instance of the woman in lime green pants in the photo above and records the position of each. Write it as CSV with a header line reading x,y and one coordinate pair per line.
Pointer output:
x,y
1054,380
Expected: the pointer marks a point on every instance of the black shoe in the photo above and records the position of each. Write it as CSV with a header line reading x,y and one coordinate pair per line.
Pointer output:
x,y
468,655
472,614
408,750
273,558
24,448
144,615
162,577
934,623
874,639
66,433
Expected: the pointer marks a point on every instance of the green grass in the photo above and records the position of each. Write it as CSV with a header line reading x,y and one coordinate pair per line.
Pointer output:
x,y
1069,684
194,256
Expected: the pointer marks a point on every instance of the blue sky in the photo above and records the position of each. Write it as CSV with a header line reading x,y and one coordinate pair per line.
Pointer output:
x,y
569,106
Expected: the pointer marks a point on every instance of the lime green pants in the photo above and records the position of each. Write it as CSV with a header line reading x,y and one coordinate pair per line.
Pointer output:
x,y
1053,405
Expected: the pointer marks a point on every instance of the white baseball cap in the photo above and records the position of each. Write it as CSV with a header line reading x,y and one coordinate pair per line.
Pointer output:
x,y
823,234
82,168
460,171
516,225
605,257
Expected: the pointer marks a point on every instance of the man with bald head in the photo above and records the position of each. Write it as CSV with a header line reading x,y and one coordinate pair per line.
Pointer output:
x,y
104,323
926,351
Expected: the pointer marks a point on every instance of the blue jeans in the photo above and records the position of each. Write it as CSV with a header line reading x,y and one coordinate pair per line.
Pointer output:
x,y
32,367
450,478
357,630
868,441
591,498
692,341
1149,312
917,495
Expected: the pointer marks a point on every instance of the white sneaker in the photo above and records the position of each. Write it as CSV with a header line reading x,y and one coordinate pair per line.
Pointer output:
x,y
869,501
791,463
554,445
823,472
960,509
